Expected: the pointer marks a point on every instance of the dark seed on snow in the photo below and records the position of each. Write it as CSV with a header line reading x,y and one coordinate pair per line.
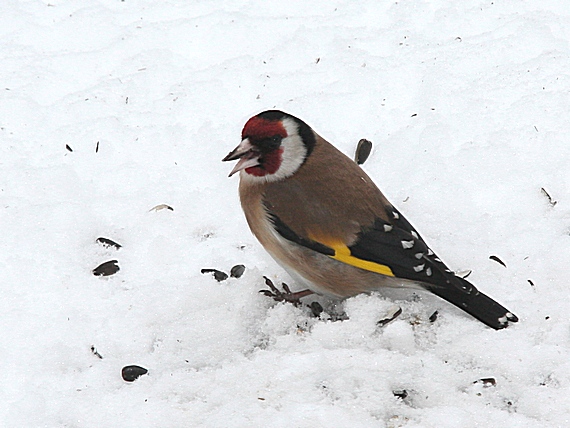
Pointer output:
x,y
108,243
400,393
237,271
498,260
550,200
108,268
390,318
162,207
97,354
433,316
487,382
218,274
362,151
316,309
132,373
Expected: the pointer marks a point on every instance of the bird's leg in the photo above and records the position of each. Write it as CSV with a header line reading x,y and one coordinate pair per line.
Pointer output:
x,y
286,295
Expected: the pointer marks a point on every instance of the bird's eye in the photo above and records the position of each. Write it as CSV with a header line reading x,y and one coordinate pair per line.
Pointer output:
x,y
272,143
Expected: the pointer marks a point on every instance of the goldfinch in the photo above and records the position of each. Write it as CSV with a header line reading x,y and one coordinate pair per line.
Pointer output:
x,y
337,242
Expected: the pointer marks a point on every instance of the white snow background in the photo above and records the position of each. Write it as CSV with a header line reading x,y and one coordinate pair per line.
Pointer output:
x,y
467,104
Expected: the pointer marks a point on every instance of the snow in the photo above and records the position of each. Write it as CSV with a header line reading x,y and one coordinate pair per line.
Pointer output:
x,y
467,106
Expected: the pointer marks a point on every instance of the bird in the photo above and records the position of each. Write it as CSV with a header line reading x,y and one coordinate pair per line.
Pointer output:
x,y
322,218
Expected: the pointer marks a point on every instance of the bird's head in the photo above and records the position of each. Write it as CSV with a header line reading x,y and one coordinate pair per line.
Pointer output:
x,y
273,146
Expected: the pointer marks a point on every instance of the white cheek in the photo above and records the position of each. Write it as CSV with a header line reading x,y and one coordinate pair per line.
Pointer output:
x,y
294,151
292,158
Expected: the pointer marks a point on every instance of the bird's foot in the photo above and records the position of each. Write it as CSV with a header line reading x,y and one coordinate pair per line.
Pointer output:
x,y
286,295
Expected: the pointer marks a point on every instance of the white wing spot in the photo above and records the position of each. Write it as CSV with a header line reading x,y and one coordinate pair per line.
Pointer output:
x,y
419,268
430,252
414,234
396,215
407,244
438,260
428,271
419,255
388,228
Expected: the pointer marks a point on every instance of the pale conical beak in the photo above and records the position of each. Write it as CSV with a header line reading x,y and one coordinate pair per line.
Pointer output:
x,y
247,154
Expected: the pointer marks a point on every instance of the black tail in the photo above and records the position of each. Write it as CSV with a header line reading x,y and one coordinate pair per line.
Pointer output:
x,y
466,296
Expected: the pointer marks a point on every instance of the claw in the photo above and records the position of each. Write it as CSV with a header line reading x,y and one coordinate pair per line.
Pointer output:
x,y
286,295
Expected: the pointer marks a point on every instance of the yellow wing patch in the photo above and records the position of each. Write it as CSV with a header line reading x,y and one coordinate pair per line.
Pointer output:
x,y
342,254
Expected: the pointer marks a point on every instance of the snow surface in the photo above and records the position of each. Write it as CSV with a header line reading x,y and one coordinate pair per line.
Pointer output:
x,y
467,104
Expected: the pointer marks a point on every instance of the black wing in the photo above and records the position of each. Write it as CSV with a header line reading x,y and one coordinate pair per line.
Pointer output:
x,y
398,246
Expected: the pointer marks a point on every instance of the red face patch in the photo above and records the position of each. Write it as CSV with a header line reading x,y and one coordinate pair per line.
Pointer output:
x,y
271,163
258,128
